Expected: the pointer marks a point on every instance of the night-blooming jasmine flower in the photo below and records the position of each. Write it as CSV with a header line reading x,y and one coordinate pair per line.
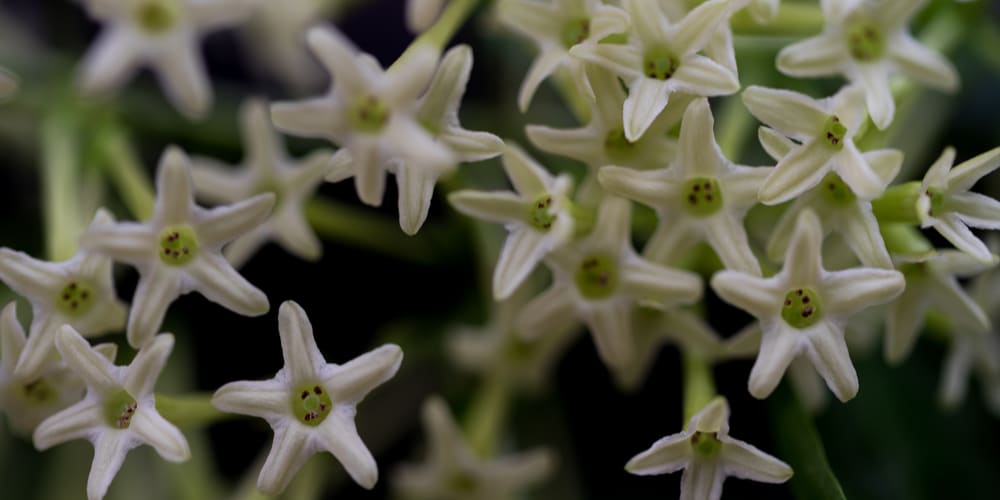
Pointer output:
x,y
266,169
661,58
78,292
162,34
538,217
420,14
274,36
708,455
947,205
867,42
453,472
557,26
8,83
310,404
803,309
599,280
119,411
700,196
178,250
824,131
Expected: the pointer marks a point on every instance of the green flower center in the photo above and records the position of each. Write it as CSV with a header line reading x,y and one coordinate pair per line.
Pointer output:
x,y
311,404
369,114
178,245
75,299
617,147
575,31
834,132
597,277
541,215
156,16
801,308
38,392
865,40
835,191
701,196
660,64
119,409
706,444
938,205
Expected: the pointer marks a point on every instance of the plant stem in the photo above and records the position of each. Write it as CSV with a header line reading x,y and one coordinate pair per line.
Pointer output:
x,y
189,410
126,172
799,445
485,417
793,19
346,223
441,32
60,176
699,386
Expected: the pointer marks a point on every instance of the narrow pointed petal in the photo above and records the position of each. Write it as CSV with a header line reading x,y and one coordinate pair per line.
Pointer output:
x,y
624,60
223,224
694,31
94,369
757,296
443,432
173,185
408,78
778,348
669,454
76,422
216,279
110,449
885,162
521,252
242,249
369,174
796,173
40,347
745,461
803,261
906,318
303,361
611,326
257,132
448,85
499,206
976,210
648,20
339,56
923,64
649,187
314,168
316,117
699,75
742,184
702,480
938,175
289,451
293,232
469,145
339,436
267,399
162,435
671,241
647,98
416,188
647,281
577,143
856,173
775,144
956,373
153,295
128,242
184,78
28,276
540,69
110,61
145,368
817,56
353,380
528,177
860,230
551,311
214,182
953,230
966,174
828,352
878,97
523,468
612,228
849,291
791,113
728,238
968,316
698,154
12,338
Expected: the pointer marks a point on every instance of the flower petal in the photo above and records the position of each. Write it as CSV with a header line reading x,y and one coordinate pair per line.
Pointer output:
x,y
728,238
528,177
303,360
668,454
954,230
162,435
353,380
447,87
648,21
827,350
759,297
610,324
956,373
742,460
922,64
552,311
860,230
223,224
803,260
821,55
623,60
700,75
966,174
672,240
127,242
156,290
649,187
141,374
316,117
646,99
778,347
174,190
577,143
906,318
293,232
854,170
289,451
95,370
793,114
878,97
339,436
267,399
498,206
35,279
543,66
416,188
339,56
698,154
216,279
801,169
521,252
39,350
110,449
182,74
666,286
693,32
702,479
76,422
109,62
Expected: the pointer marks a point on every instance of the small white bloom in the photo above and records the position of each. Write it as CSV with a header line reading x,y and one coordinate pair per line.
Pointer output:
x,y
661,58
119,411
179,250
421,14
708,455
8,83
599,280
453,472
947,205
163,34
266,169
78,292
310,404
700,196
273,35
803,309
538,217
867,42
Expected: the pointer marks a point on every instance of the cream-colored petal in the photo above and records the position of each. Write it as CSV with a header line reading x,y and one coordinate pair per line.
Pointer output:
x,y
110,448
290,449
856,173
520,254
727,236
95,370
775,144
267,399
623,60
649,187
793,114
128,242
966,174
702,479
316,117
183,76
668,454
906,319
699,75
216,279
827,350
698,154
759,297
339,56
742,460
874,78
469,145
955,231
174,197
76,422
353,380
39,350
145,368
666,286
801,169
338,435
694,31
610,323
153,295
110,61
778,347
803,260
303,360
543,66
821,55
553,310
35,279
528,177
151,428
647,98
223,224
499,206
416,188
860,230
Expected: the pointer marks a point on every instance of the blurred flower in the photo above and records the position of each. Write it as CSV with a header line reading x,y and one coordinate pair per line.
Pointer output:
x,y
273,36
8,83
421,14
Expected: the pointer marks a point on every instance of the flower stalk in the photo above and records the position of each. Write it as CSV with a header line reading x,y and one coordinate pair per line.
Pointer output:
x,y
60,181
485,418
699,385
190,410
126,171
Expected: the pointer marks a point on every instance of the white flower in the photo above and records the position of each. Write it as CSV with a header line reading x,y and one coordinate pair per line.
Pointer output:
x,y
273,35
310,404
78,292
803,309
661,58
557,26
420,14
700,196
266,169
163,34
708,455
8,83
453,472
599,280
824,130
119,411
867,42
947,205
179,250
538,217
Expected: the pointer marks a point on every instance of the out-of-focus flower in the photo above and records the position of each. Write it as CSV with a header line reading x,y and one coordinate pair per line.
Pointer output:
x,y
420,14
8,83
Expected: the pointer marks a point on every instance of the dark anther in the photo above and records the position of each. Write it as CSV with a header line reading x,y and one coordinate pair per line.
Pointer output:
x,y
305,394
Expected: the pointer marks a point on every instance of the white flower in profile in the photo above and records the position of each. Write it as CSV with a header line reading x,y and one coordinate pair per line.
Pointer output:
x,y
119,411
78,292
661,58
453,472
8,83
804,308
699,196
947,204
538,217
265,169
867,42
310,404
162,34
708,455
421,14
557,26
179,250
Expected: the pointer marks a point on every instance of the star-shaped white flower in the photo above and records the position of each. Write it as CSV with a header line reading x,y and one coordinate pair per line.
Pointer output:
x,y
266,169
179,250
700,196
310,404
824,131
599,280
78,292
948,205
557,26
162,34
453,472
538,217
708,455
119,411
661,58
803,309
867,42
8,83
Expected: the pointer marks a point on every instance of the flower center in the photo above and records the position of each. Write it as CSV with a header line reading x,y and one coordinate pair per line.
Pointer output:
x,y
178,245
865,40
706,444
617,147
311,404
701,196
660,64
156,16
597,277
542,214
937,202
801,308
38,392
835,191
75,299
119,409
834,132
575,31
369,114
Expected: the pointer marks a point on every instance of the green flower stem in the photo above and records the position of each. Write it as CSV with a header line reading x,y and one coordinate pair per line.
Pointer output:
x,y
126,171
576,103
349,224
799,445
904,239
699,385
793,19
190,410
898,204
485,417
60,184
441,32
736,126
